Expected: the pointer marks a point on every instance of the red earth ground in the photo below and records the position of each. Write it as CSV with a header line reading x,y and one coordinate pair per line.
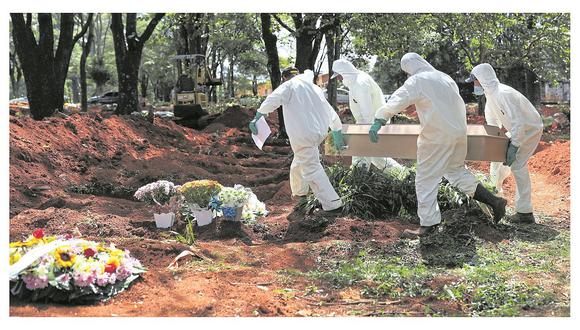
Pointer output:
x,y
238,270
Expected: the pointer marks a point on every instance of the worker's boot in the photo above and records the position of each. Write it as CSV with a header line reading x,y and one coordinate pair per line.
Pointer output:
x,y
420,232
522,218
335,212
301,202
496,203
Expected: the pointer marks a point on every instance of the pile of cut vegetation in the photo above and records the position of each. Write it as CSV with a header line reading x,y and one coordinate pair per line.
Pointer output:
x,y
371,194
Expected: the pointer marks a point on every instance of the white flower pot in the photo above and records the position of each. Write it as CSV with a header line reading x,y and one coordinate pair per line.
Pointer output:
x,y
164,220
203,217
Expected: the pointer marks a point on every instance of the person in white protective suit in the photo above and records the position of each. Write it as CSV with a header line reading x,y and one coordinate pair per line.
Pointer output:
x,y
498,172
307,117
508,108
365,98
442,142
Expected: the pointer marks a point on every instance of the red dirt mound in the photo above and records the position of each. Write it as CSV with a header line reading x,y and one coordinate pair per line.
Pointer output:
x,y
553,159
235,117
114,156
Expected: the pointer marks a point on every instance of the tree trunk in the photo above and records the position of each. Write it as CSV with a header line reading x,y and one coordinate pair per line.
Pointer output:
x,y
128,75
254,85
270,41
308,40
332,54
83,64
231,88
144,82
128,51
44,69
75,88
15,76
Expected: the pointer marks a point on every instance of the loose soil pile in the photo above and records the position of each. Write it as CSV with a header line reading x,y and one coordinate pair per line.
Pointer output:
x,y
77,175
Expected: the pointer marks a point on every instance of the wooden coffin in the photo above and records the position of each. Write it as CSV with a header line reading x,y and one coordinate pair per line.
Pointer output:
x,y
484,142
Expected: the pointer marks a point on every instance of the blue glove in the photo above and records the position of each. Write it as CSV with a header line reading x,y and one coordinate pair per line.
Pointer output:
x,y
373,132
511,154
338,140
253,127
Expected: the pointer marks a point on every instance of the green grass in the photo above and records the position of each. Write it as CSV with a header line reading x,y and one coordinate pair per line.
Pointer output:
x,y
510,278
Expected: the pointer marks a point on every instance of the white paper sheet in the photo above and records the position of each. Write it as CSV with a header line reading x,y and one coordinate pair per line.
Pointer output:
x,y
263,132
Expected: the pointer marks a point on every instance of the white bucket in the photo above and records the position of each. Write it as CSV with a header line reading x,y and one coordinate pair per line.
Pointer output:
x,y
164,220
203,217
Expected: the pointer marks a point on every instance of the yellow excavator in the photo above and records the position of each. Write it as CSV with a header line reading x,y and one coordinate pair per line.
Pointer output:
x,y
192,85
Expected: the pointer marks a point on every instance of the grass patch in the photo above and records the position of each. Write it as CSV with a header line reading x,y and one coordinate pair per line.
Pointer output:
x,y
97,188
511,278
379,277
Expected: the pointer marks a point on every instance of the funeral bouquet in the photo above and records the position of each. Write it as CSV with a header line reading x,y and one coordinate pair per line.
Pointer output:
x,y
237,196
160,194
199,193
67,269
253,209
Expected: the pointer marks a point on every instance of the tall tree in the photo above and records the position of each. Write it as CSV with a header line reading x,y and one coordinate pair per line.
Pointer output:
x,y
86,44
45,69
98,71
270,42
128,51
333,37
15,74
308,31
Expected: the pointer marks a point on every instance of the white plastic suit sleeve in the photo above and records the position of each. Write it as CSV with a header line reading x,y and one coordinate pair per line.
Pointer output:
x,y
363,95
490,117
335,123
403,97
511,105
279,96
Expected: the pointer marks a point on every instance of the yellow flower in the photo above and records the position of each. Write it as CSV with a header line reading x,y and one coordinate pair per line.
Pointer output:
x,y
17,244
114,261
14,258
64,257
116,253
49,239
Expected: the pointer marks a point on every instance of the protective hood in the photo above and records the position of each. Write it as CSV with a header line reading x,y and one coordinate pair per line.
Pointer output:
x,y
486,76
413,63
307,75
346,70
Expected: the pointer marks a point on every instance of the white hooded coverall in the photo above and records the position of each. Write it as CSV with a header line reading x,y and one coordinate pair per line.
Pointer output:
x,y
365,98
506,107
307,117
498,172
442,143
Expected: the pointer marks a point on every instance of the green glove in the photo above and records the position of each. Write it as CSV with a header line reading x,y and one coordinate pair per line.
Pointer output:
x,y
338,140
511,154
373,132
253,127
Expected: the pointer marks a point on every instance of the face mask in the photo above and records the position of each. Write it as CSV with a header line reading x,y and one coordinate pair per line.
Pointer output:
x,y
348,80
478,90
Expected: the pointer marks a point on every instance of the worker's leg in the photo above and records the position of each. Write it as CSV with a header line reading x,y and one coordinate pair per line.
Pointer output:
x,y
498,172
361,161
385,163
313,174
298,185
521,173
431,161
456,172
